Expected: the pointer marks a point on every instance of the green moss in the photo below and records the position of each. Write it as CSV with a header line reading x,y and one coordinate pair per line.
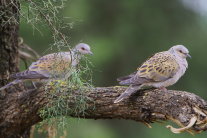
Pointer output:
x,y
60,93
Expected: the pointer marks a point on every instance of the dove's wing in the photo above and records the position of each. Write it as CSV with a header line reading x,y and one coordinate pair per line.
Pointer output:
x,y
52,64
159,67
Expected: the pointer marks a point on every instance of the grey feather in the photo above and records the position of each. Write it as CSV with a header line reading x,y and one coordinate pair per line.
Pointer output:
x,y
10,84
129,91
21,76
27,74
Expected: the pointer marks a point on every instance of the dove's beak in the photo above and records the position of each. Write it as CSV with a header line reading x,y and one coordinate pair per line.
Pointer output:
x,y
90,53
188,55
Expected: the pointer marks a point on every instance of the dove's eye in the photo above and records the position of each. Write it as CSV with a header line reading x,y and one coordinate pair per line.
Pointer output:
x,y
83,48
180,51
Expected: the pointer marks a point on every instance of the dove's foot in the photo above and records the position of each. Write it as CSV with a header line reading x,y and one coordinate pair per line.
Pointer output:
x,y
163,89
34,85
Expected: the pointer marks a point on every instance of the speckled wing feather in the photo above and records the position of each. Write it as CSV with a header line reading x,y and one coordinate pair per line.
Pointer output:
x,y
52,64
159,67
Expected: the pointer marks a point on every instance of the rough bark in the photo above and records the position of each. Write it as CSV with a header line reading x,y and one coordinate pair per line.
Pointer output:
x,y
8,39
9,19
21,109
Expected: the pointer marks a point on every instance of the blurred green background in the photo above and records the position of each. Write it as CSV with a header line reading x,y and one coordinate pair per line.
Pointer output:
x,y
122,35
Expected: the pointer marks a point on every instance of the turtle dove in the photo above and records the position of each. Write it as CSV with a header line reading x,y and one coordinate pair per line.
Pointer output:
x,y
160,71
52,66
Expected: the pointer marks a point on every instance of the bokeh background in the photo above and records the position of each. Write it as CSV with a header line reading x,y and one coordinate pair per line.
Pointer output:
x,y
122,35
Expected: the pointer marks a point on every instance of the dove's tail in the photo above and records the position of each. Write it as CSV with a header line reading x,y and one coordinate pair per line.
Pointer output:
x,y
27,74
10,84
129,91
24,75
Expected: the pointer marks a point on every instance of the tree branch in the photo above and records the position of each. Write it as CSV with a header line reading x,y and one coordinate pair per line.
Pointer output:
x,y
21,108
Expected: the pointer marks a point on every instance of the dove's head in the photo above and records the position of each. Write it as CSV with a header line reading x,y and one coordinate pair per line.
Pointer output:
x,y
180,50
83,48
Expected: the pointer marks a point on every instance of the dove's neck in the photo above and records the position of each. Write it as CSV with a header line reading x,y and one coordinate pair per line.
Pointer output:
x,y
76,56
181,61
76,53
172,51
